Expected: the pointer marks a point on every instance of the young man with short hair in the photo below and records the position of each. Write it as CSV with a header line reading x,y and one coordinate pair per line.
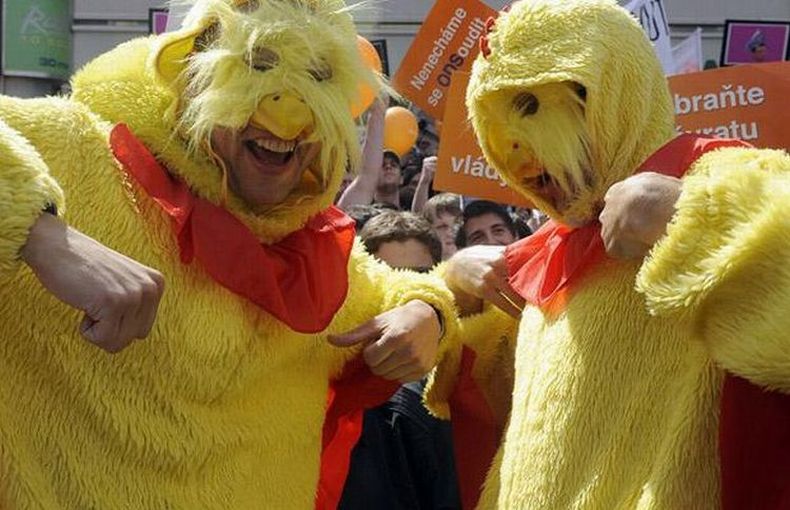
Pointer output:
x,y
486,223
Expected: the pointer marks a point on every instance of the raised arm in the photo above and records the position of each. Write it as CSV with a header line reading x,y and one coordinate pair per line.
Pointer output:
x,y
363,188
724,262
424,184
119,296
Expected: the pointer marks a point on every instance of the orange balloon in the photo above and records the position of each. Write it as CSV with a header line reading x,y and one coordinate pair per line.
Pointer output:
x,y
400,130
369,54
365,98
365,93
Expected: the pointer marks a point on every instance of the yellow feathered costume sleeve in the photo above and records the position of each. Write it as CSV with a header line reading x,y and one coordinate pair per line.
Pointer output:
x,y
725,258
26,188
491,335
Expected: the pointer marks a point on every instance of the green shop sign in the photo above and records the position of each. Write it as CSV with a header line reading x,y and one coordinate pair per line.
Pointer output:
x,y
36,38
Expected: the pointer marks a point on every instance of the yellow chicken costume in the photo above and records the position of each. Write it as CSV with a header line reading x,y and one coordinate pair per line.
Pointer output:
x,y
619,366
222,406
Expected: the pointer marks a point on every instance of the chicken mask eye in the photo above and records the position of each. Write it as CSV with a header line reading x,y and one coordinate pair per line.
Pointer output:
x,y
526,104
262,59
321,72
581,91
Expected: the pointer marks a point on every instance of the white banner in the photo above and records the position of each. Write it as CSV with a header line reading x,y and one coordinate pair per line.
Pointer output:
x,y
652,15
176,17
688,54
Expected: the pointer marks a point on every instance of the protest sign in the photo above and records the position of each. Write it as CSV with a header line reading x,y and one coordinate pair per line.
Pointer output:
x,y
688,54
750,42
746,102
157,20
653,18
381,49
447,43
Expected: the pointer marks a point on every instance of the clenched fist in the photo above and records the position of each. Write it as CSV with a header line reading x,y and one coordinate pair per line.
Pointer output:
x,y
479,273
636,213
119,296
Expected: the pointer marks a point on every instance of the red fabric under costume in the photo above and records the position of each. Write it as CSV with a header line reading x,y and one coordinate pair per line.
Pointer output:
x,y
542,267
354,391
476,433
754,446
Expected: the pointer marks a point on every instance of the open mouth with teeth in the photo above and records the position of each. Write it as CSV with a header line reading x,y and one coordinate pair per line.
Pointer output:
x,y
270,151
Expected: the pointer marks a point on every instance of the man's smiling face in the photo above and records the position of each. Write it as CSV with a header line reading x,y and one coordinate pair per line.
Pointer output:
x,y
269,86
263,169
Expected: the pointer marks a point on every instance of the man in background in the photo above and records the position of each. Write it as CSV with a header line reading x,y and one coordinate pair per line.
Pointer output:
x,y
486,223
379,178
402,240
388,187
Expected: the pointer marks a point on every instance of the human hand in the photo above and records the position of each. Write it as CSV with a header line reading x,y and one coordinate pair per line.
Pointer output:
x,y
480,273
119,296
429,168
401,344
636,213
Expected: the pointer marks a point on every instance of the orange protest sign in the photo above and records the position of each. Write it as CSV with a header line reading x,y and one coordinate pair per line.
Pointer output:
x,y
448,42
462,168
743,102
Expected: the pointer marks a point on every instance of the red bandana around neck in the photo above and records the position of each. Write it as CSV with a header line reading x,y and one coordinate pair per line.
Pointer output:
x,y
543,266
301,280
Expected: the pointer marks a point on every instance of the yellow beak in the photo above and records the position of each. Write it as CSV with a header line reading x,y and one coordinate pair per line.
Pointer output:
x,y
512,157
284,115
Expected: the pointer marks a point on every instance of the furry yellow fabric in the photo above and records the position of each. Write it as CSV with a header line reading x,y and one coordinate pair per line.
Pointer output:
x,y
222,406
26,188
491,335
616,398
724,262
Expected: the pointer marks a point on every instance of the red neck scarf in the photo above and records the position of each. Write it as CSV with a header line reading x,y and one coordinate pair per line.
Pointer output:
x,y
543,266
301,280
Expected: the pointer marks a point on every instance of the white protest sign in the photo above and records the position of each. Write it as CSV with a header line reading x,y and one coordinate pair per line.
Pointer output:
x,y
652,15
688,54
